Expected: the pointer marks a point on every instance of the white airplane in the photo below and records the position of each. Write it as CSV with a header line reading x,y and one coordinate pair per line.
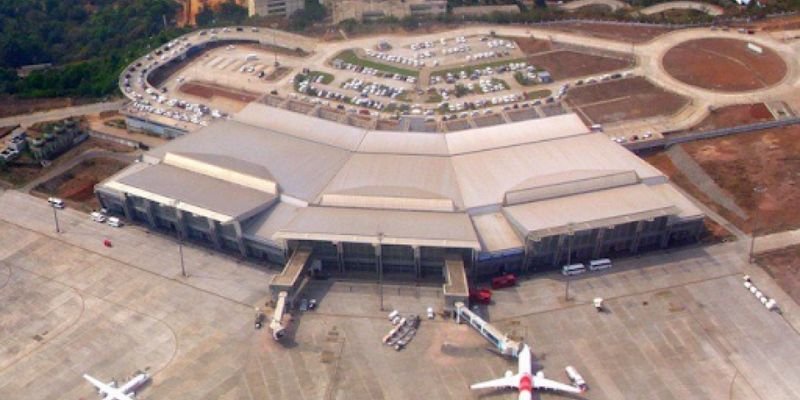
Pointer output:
x,y
525,381
125,392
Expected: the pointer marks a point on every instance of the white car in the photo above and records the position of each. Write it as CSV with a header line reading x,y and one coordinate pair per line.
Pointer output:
x,y
56,202
98,217
114,221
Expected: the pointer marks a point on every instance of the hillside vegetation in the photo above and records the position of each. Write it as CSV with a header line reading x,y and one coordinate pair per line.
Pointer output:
x,y
88,42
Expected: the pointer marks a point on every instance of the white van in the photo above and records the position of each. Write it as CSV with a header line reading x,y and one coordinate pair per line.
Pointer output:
x,y
114,221
98,217
573,269
55,202
597,265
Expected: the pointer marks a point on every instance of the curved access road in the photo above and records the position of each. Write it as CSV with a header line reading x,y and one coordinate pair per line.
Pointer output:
x,y
577,4
709,9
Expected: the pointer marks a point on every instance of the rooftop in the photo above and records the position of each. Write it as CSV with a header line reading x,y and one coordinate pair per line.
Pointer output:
x,y
484,188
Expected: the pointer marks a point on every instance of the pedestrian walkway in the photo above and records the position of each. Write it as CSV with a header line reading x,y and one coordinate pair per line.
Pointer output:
x,y
689,167
776,241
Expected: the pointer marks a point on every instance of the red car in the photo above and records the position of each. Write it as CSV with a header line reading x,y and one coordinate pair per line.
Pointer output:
x,y
504,281
480,296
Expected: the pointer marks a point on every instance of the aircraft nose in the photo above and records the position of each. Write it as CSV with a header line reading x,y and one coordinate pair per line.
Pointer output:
x,y
525,395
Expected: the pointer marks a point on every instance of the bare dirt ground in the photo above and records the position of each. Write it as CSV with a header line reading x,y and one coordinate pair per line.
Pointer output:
x,y
784,266
723,64
740,114
533,46
564,64
768,159
12,105
624,99
662,161
209,90
620,32
738,164
778,24
77,184
25,169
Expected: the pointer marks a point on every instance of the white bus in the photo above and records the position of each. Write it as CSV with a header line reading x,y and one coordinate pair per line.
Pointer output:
x,y
573,269
596,265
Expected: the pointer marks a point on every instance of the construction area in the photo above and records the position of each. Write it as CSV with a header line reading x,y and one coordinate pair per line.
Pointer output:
x,y
750,178
566,64
625,99
613,31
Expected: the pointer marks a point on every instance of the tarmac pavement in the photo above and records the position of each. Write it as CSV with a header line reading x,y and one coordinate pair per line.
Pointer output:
x,y
679,325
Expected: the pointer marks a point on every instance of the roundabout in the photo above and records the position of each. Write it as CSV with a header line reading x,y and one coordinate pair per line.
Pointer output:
x,y
727,65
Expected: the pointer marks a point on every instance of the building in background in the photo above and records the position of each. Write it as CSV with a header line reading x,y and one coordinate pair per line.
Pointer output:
x,y
273,7
361,10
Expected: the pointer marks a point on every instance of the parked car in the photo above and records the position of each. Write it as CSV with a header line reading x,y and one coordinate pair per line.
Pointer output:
x,y
97,217
56,202
480,296
504,281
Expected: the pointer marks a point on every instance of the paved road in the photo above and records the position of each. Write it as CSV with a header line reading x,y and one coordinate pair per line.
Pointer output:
x,y
86,155
648,56
60,113
709,9
776,241
613,4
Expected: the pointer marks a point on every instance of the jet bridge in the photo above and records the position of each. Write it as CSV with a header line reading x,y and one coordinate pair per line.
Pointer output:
x,y
500,340
286,286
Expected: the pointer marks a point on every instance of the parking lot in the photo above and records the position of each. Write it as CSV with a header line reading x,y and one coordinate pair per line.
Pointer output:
x,y
679,325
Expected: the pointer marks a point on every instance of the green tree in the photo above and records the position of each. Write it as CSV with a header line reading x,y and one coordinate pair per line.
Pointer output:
x,y
205,17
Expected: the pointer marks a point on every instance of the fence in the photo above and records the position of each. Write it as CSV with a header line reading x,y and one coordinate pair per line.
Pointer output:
x,y
115,139
671,138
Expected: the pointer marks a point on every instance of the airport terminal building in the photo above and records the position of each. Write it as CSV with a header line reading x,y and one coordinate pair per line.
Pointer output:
x,y
513,197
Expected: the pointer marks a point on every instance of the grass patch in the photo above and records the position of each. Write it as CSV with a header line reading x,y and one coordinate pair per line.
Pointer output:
x,y
350,56
433,97
538,94
326,77
471,68
496,81
523,80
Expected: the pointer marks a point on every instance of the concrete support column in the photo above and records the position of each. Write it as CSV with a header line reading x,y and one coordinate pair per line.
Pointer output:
x,y
213,232
637,237
699,232
559,246
126,207
417,261
239,237
101,199
665,237
528,253
474,259
150,209
181,224
339,255
598,242
378,259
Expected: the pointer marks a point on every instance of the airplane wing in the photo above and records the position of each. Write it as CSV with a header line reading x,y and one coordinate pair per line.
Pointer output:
x,y
509,381
549,384
109,392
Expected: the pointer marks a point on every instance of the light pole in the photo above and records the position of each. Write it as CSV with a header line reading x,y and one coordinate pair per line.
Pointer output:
x,y
274,43
758,190
380,267
180,251
55,217
569,258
